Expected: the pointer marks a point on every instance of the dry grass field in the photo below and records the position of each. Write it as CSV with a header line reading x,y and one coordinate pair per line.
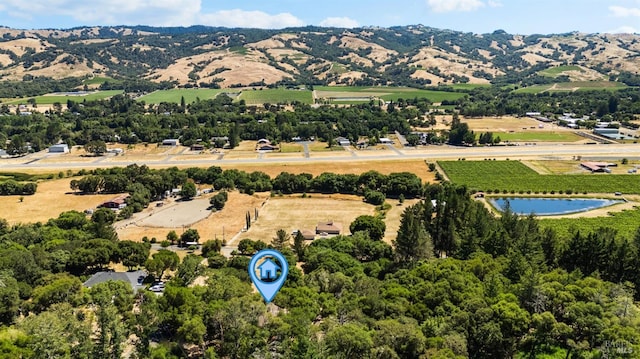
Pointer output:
x,y
419,167
51,199
231,219
293,212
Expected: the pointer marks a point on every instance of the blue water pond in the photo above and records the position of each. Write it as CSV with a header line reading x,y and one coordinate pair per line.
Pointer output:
x,y
550,206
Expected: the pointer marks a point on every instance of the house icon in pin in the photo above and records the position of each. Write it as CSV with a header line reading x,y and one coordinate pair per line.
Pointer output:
x,y
268,270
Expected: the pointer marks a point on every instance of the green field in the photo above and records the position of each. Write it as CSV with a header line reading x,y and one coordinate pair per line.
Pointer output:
x,y
50,100
274,96
514,176
387,93
625,222
558,70
538,136
467,87
573,86
175,95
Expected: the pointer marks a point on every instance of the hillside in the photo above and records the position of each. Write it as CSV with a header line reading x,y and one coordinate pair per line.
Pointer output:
x,y
219,57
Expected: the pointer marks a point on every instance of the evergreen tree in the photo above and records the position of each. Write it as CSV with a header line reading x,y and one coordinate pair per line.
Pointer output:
x,y
413,243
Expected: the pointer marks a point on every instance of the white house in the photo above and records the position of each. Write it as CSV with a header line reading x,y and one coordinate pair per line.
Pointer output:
x,y
59,148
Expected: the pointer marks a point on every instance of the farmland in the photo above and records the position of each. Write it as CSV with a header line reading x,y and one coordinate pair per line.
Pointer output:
x,y
625,222
175,95
273,96
62,99
513,176
558,70
573,86
385,93
539,136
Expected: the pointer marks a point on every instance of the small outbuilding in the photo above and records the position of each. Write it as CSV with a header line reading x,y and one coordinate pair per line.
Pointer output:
x,y
343,141
330,228
116,203
59,148
171,142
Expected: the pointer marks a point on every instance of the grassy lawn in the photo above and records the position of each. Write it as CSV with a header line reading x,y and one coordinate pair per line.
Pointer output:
x,y
175,95
280,95
291,147
538,136
515,176
49,100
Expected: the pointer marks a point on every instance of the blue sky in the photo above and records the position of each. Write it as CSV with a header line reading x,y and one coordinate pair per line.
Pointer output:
x,y
479,16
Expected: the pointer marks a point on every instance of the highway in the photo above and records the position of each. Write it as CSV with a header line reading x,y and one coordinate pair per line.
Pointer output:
x,y
430,153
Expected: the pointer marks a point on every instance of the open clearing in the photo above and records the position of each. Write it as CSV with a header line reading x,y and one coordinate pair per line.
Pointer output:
x,y
183,213
573,86
274,96
175,95
539,136
222,224
51,199
385,93
62,99
293,212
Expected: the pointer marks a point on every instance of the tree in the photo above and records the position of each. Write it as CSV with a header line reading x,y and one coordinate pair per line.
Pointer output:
x,y
218,200
299,247
349,341
133,254
172,237
9,298
96,147
280,240
412,242
211,246
188,191
189,236
162,261
189,269
370,224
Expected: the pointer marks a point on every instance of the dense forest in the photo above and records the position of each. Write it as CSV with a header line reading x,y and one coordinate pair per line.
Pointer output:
x,y
457,282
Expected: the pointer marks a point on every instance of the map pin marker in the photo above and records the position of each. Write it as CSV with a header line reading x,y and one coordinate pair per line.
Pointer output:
x,y
268,270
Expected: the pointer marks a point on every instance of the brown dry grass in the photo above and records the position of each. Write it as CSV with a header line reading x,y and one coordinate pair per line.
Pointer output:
x,y
293,212
419,167
49,201
231,219
500,124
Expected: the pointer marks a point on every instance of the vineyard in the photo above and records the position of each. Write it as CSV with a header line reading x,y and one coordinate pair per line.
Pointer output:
x,y
515,177
625,223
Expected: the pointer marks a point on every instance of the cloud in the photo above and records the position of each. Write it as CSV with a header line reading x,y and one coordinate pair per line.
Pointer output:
x,y
621,11
255,19
149,12
624,30
455,5
339,22
493,3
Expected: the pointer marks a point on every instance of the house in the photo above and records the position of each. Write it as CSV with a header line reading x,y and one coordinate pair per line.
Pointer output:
x,y
135,278
116,203
59,148
343,141
268,270
171,142
330,228
197,147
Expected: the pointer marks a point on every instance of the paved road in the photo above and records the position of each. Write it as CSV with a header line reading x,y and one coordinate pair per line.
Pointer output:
x,y
431,153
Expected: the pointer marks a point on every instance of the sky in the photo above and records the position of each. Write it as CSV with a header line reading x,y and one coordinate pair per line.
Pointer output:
x,y
478,16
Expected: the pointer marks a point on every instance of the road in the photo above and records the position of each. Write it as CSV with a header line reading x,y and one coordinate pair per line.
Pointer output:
x,y
430,153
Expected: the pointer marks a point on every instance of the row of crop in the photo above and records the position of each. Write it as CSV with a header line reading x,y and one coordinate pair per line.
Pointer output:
x,y
513,176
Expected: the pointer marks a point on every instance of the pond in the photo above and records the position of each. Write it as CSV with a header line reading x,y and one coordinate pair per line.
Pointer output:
x,y
550,206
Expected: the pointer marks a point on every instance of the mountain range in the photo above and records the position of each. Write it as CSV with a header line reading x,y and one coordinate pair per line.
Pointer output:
x,y
414,55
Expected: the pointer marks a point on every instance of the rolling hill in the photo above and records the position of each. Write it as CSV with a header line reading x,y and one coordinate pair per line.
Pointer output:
x,y
409,56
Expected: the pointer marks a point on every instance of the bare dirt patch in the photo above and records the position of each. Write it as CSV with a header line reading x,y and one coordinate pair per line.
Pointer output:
x,y
222,224
183,213
52,198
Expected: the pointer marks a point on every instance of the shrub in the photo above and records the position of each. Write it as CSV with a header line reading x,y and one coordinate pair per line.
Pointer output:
x,y
165,244
569,191
374,197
